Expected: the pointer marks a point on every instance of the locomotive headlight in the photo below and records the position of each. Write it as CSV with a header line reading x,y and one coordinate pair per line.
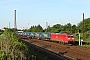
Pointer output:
x,y
68,38
73,38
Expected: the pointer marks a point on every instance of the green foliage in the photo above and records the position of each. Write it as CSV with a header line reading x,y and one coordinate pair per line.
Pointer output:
x,y
79,28
1,32
68,28
86,37
86,46
37,28
76,36
86,25
74,28
10,46
56,28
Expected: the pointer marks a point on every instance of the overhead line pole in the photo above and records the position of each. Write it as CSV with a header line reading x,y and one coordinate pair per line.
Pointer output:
x,y
47,26
28,25
15,26
9,25
83,26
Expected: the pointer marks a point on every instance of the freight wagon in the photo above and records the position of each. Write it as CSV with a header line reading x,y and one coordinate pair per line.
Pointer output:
x,y
42,35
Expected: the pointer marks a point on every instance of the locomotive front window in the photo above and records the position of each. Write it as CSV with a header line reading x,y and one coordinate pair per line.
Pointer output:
x,y
70,36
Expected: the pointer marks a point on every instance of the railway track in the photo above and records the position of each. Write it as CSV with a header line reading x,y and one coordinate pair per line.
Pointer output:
x,y
74,55
71,52
50,54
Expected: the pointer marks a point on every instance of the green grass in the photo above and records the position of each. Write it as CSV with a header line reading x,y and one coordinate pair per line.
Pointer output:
x,y
86,46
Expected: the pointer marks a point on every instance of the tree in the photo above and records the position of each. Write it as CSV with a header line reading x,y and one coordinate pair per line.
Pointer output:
x,y
67,28
39,28
86,25
35,28
56,28
74,28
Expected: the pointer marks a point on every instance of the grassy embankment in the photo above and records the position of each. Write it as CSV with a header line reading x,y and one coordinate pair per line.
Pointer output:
x,y
13,49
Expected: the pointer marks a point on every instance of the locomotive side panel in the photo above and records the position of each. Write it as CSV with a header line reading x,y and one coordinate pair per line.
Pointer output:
x,y
62,37
54,36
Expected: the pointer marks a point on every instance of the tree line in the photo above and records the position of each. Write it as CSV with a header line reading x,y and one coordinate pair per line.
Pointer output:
x,y
58,28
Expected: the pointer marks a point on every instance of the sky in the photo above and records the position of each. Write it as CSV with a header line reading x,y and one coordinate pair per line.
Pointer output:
x,y
34,12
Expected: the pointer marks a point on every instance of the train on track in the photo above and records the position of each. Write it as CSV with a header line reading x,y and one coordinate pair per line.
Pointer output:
x,y
60,37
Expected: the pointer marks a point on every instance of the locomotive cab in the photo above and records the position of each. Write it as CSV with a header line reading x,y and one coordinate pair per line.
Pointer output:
x,y
71,38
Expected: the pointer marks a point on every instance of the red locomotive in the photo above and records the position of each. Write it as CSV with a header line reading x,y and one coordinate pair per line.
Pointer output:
x,y
66,38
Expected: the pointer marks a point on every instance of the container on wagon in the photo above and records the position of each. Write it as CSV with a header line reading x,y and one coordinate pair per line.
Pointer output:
x,y
32,34
19,32
27,33
37,34
45,35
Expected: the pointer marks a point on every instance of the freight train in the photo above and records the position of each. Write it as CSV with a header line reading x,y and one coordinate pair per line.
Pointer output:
x,y
60,37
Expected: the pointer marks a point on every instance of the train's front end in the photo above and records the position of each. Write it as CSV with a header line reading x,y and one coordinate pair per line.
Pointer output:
x,y
71,38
